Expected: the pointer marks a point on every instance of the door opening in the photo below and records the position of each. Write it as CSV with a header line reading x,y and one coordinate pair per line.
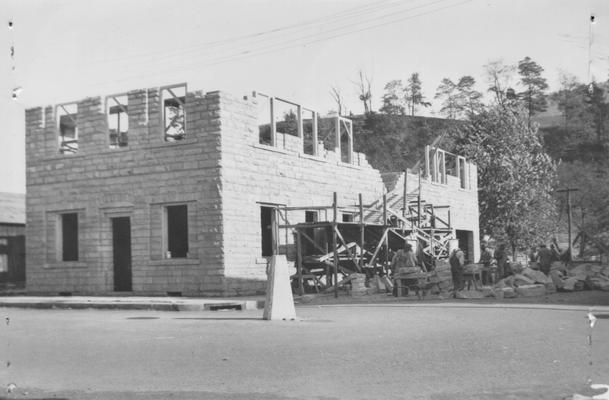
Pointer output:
x,y
121,249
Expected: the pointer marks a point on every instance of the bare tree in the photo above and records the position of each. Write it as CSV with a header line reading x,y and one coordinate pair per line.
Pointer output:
x,y
338,98
364,90
500,78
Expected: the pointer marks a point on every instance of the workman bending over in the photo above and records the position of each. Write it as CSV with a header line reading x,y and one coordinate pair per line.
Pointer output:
x,y
404,258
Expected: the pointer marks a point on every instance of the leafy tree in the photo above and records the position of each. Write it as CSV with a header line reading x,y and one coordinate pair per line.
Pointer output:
x,y
414,95
471,99
599,109
393,99
535,85
460,98
590,204
515,176
451,103
394,142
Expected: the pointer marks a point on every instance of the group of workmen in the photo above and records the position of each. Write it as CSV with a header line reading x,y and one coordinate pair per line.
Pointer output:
x,y
496,263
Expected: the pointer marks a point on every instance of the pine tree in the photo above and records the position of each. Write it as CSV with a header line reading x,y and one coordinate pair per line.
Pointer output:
x,y
414,94
533,97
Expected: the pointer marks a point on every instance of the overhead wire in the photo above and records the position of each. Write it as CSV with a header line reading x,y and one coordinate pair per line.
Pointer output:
x,y
328,19
305,36
308,39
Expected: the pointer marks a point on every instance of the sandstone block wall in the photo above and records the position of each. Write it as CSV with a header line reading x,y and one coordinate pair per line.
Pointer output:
x,y
137,181
255,175
219,170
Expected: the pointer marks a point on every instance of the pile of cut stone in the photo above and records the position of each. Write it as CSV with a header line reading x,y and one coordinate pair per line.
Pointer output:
x,y
529,282
442,276
358,285
580,277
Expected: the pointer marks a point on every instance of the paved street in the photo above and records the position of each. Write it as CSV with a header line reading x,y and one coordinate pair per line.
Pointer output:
x,y
332,352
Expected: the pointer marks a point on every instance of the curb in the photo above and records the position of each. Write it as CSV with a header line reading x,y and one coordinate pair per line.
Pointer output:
x,y
238,305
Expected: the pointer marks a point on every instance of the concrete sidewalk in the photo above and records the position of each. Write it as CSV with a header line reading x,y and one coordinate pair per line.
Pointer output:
x,y
132,303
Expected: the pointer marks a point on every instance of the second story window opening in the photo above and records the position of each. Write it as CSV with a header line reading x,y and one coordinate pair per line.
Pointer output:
x,y
118,120
174,115
67,125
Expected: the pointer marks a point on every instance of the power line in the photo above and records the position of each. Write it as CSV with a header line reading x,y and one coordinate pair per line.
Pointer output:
x,y
283,40
308,39
289,29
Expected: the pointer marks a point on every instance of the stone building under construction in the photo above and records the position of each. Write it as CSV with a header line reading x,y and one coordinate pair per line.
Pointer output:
x,y
166,190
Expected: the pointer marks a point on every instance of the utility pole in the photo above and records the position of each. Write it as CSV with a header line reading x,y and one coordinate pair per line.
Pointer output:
x,y
568,191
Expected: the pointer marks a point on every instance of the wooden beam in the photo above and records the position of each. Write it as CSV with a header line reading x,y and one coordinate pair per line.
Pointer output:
x,y
334,242
314,128
299,263
361,231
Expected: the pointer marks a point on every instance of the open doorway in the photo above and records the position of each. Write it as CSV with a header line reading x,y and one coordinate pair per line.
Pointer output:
x,y
121,251
466,243
268,229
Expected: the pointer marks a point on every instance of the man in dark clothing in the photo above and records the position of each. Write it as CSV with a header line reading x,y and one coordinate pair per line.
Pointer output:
x,y
501,257
545,257
457,261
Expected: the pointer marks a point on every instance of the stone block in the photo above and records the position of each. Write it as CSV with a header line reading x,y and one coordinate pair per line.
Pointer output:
x,y
531,290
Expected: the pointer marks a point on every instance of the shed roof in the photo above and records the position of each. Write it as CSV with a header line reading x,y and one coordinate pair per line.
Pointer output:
x,y
12,208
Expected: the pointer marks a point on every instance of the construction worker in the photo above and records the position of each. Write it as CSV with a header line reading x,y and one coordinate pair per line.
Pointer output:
x,y
545,257
486,259
502,261
457,262
404,258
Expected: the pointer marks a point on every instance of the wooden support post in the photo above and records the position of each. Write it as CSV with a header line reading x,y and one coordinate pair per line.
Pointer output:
x,y
419,203
404,201
431,240
299,263
335,244
314,128
337,141
569,217
387,236
361,232
449,224
300,127
273,127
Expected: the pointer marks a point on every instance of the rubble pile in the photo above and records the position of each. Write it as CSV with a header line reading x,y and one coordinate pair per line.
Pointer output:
x,y
580,277
529,282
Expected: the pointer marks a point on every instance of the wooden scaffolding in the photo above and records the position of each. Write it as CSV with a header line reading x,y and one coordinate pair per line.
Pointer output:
x,y
362,242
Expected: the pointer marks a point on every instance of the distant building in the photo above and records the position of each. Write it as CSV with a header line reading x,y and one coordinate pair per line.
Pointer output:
x,y
12,239
166,190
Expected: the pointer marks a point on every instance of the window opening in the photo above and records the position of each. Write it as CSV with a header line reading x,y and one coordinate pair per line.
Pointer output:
x,y
309,127
177,231
3,263
311,216
264,121
118,120
327,132
462,174
174,115
348,217
346,140
69,237
450,162
67,121
286,117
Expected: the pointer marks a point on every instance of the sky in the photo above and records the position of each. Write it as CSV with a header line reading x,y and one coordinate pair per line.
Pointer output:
x,y
65,50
